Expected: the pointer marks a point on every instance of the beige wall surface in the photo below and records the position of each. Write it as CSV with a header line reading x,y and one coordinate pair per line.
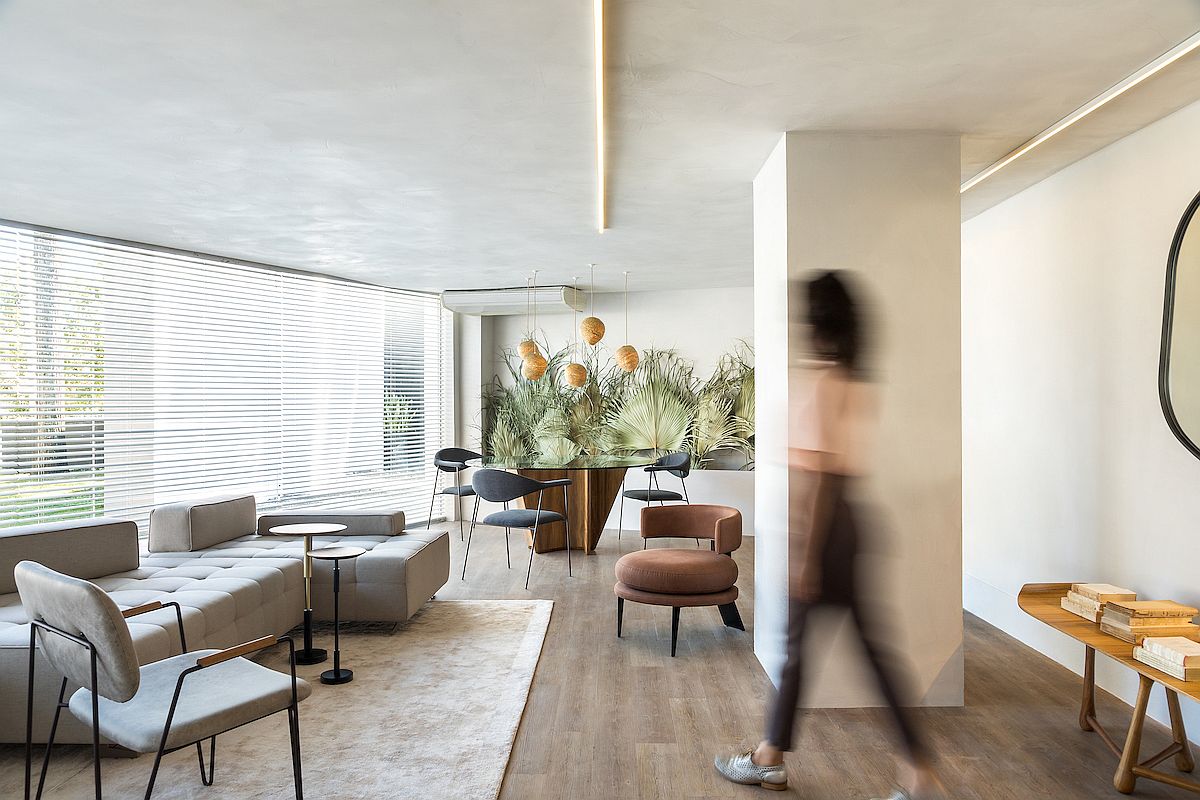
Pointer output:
x,y
1070,472
886,206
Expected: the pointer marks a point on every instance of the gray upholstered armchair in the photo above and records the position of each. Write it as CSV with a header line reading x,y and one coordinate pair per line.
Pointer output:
x,y
159,708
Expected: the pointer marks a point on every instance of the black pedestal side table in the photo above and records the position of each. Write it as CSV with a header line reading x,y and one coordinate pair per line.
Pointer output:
x,y
337,554
308,654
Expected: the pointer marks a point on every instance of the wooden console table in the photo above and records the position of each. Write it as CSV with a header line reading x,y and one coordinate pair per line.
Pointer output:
x,y
1041,601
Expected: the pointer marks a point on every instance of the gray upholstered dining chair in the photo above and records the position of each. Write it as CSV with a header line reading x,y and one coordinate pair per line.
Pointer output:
x,y
679,465
453,460
157,708
498,486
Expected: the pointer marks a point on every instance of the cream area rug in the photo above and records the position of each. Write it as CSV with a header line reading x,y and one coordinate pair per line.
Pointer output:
x,y
432,713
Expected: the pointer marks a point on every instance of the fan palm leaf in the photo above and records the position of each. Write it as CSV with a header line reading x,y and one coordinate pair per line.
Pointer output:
x,y
651,418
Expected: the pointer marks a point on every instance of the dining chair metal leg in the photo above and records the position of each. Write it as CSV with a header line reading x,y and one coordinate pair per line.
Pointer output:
x,y
432,498
470,536
533,548
620,614
458,503
507,557
567,527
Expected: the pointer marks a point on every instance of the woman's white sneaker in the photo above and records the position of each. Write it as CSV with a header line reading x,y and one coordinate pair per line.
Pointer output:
x,y
741,768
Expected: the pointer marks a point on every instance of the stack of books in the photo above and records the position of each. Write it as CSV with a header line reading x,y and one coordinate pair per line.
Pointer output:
x,y
1174,655
1087,599
1134,620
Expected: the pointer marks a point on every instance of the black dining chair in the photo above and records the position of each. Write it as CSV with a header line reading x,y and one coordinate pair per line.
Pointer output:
x,y
453,460
498,486
679,465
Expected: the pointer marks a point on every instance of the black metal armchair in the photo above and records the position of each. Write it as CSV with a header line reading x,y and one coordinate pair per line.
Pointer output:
x,y
453,460
498,486
677,464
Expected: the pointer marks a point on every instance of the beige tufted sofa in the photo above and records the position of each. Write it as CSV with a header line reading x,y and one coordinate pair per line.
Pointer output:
x,y
233,583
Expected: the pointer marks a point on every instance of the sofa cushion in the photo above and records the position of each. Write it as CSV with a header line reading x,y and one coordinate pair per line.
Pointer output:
x,y
82,548
185,527
214,699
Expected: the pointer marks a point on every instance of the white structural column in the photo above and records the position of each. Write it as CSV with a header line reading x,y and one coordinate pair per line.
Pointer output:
x,y
885,205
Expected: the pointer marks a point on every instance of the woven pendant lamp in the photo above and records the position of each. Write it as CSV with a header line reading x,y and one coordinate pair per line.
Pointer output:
x,y
528,347
576,374
592,328
627,354
533,365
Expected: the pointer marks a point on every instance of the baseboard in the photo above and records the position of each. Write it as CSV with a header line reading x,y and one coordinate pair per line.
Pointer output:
x,y
999,608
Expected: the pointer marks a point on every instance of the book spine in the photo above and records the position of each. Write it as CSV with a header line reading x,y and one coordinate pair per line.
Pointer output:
x,y
1174,670
1080,600
1117,618
1080,611
1165,653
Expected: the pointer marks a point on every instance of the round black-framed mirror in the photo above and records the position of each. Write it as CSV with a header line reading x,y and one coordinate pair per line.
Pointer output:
x,y
1179,352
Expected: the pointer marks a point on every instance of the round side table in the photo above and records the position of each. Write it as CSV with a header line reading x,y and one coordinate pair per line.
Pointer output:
x,y
337,554
308,654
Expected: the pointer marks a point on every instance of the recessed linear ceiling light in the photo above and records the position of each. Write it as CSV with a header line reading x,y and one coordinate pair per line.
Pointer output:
x,y
1153,68
598,11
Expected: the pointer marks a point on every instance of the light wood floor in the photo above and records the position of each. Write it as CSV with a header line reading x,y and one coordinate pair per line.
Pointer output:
x,y
618,718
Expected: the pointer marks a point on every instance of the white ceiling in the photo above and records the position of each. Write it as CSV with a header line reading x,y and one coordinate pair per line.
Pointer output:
x,y
434,145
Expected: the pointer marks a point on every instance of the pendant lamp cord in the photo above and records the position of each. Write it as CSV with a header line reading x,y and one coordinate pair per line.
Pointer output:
x,y
626,305
535,272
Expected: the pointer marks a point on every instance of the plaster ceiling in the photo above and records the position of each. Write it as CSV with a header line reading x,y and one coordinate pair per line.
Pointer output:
x,y
436,145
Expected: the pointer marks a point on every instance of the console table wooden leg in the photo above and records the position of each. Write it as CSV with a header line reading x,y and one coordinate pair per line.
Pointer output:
x,y
1087,711
1183,759
1124,779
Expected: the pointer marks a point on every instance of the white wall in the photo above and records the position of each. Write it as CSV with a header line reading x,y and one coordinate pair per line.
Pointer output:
x,y
772,360
885,205
1070,472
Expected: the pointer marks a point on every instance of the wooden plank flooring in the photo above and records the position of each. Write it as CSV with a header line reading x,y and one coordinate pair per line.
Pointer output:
x,y
618,718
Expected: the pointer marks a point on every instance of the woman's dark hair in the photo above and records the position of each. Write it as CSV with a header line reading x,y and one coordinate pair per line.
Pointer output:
x,y
833,314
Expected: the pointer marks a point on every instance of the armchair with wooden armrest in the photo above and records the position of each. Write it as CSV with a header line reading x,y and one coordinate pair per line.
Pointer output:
x,y
83,634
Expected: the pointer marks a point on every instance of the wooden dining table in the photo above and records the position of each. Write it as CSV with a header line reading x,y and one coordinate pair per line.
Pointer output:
x,y
595,484
1041,601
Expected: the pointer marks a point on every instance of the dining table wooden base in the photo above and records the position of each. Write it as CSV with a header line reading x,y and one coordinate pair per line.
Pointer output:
x,y
590,499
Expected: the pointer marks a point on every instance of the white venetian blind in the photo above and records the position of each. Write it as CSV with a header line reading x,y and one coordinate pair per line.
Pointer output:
x,y
132,377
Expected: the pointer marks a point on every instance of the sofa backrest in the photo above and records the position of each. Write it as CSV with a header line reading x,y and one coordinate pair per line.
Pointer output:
x,y
360,523
90,548
185,527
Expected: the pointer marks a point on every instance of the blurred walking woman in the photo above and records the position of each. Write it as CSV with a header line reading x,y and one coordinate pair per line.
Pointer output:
x,y
831,416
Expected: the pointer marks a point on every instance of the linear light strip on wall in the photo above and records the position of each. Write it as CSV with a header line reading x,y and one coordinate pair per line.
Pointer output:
x,y
1153,68
601,217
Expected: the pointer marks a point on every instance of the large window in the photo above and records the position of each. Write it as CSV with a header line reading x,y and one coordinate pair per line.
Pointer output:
x,y
132,377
